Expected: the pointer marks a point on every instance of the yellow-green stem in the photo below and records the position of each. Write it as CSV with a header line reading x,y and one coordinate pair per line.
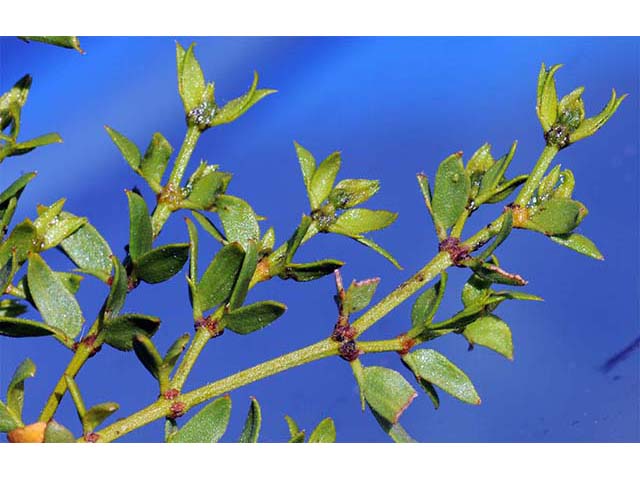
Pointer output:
x,y
541,167
200,339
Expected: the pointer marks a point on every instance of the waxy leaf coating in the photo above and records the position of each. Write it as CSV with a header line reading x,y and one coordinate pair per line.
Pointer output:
x,y
238,219
56,304
208,425
387,392
435,368
491,332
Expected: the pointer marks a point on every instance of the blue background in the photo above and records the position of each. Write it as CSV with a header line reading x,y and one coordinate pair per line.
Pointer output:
x,y
394,107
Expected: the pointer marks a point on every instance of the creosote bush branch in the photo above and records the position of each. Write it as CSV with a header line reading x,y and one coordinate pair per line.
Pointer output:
x,y
247,256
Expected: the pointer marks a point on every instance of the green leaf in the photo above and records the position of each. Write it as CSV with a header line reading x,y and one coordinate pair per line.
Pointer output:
x,y
494,274
397,433
174,352
325,432
451,190
210,228
547,100
491,332
239,106
377,248
306,272
567,184
15,392
292,425
423,182
578,243
58,41
557,216
6,214
8,420
55,303
148,354
155,159
16,188
323,179
427,304
218,280
548,183
13,101
206,189
431,392
253,317
307,164
475,291
140,231
117,290
294,242
251,430
387,392
505,230
360,220
208,425
510,295
11,308
162,263
88,250
238,219
591,125
191,83
351,192
127,148
268,241
435,368
480,162
298,437
7,272
120,331
494,177
20,327
22,241
505,189
241,288
25,147
359,294
56,433
98,414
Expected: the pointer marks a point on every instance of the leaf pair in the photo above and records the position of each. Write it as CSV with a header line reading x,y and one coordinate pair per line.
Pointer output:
x,y
152,165
325,431
151,265
198,96
158,366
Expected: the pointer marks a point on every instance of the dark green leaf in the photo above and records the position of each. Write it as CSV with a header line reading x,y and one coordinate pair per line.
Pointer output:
x,y
16,188
435,368
325,432
491,332
238,219
298,437
19,327
253,317
505,230
41,141
127,148
217,282
98,414
305,272
387,392
351,192
147,354
117,291
55,303
397,433
505,189
294,242
360,220
427,304
210,228
88,250
245,275
206,189
451,190
557,216
578,243
431,392
140,231
208,425
15,392
359,294
162,263
56,433
120,331
323,179
11,308
7,272
155,159
251,429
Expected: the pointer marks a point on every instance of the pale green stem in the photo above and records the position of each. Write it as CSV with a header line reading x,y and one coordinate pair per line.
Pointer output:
x,y
200,339
541,167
